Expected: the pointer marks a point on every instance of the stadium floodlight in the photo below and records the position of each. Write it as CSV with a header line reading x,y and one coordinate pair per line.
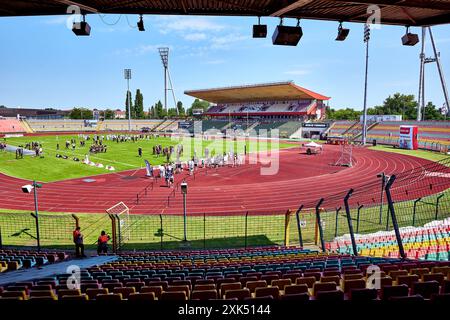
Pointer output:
x,y
28,188
259,30
127,76
410,39
81,28
287,35
342,33
140,23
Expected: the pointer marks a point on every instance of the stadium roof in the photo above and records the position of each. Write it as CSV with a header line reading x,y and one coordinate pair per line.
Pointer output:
x,y
257,92
398,12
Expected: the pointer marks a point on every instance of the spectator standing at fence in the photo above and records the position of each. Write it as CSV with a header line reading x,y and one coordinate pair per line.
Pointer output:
x,y
78,241
140,152
102,243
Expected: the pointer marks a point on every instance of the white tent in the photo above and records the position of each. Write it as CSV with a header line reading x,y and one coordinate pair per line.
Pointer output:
x,y
312,144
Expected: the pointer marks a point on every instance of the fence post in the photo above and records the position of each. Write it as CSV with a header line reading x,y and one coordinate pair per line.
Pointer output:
x,y
162,230
337,220
114,235
387,218
77,220
137,198
287,222
38,236
299,228
204,230
246,225
437,205
393,216
383,183
319,224
1,242
119,229
414,211
349,221
357,217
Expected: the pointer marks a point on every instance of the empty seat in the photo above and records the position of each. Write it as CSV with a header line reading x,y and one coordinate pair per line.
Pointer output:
x,y
439,277
331,295
68,292
353,284
240,294
394,274
252,285
365,294
183,288
408,280
229,286
394,291
353,276
309,281
205,286
407,298
42,293
323,286
14,294
267,291
125,291
295,289
281,283
425,289
156,290
335,279
92,293
204,294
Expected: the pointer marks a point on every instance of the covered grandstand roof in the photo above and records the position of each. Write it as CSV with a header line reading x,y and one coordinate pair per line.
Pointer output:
x,y
276,91
398,12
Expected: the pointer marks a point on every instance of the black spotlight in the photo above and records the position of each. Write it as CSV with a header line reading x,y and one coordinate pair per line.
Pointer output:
x,y
259,30
287,35
140,24
81,28
342,33
410,39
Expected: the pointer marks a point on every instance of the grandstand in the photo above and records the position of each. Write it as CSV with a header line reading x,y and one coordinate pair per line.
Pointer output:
x,y
270,101
270,273
8,125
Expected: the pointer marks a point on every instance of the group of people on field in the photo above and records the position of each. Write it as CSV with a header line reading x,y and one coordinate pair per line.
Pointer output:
x,y
78,240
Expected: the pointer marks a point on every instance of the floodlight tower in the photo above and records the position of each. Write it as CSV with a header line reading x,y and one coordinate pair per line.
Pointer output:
x,y
364,125
127,76
423,61
164,53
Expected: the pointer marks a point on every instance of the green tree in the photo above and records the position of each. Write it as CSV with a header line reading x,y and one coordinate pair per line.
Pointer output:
x,y
139,105
198,104
400,104
181,111
80,113
159,110
109,114
130,99
343,114
172,113
432,113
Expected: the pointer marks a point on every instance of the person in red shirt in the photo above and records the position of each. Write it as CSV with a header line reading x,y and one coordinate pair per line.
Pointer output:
x,y
102,243
78,241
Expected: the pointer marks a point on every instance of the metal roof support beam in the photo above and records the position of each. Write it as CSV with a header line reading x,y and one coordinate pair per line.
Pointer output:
x,y
289,8
82,6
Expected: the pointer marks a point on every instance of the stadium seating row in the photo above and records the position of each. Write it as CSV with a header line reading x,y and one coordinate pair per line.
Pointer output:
x,y
11,126
275,273
11,260
430,242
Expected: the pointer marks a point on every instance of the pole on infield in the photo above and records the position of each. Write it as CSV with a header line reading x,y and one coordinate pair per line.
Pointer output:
x,y
319,224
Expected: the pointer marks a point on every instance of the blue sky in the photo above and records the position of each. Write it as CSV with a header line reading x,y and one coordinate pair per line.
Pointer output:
x,y
43,64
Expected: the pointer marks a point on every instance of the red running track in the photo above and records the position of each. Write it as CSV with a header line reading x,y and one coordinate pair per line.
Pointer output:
x,y
227,190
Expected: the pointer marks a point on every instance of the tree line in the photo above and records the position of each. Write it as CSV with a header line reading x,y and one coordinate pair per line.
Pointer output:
x,y
397,104
156,111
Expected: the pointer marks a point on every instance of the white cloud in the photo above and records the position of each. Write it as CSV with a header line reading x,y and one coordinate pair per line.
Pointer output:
x,y
142,49
195,36
224,42
56,20
188,24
